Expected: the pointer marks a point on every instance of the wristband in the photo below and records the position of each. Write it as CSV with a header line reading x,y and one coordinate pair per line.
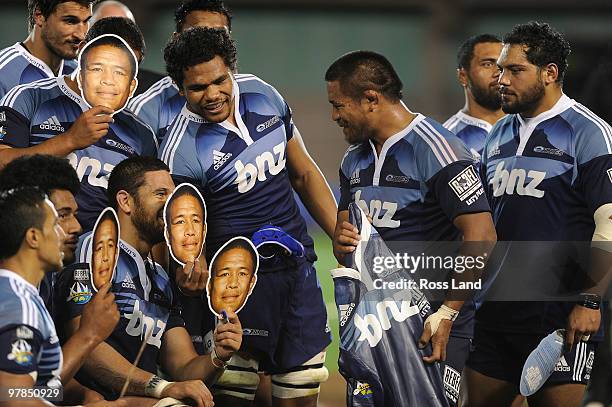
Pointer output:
x,y
155,386
590,301
214,356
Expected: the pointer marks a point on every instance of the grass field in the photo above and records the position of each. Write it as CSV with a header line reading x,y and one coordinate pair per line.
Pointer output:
x,y
333,392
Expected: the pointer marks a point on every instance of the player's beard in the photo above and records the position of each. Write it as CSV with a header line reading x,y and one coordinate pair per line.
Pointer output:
x,y
486,96
53,43
527,101
149,227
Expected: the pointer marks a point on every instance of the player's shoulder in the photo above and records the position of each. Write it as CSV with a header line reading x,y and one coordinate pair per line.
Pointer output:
x,y
353,154
452,121
137,125
17,301
157,93
590,130
429,138
33,92
12,63
249,83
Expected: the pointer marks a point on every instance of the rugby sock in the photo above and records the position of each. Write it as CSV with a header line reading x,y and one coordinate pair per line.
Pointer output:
x,y
541,362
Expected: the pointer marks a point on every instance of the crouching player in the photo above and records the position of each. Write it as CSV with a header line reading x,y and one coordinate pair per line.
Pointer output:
x,y
138,189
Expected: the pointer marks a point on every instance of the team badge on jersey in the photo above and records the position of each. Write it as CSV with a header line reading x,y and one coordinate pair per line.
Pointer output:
x,y
363,390
21,353
79,293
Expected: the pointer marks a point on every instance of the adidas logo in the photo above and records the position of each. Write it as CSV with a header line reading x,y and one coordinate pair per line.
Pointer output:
x,y
219,158
128,282
562,365
52,124
345,312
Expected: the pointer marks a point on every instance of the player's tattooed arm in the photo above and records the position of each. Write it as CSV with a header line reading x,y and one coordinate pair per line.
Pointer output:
x,y
180,360
310,184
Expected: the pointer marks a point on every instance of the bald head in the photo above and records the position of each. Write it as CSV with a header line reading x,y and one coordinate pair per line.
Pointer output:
x,y
111,8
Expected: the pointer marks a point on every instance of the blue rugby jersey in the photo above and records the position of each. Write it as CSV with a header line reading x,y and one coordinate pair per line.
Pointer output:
x,y
545,177
28,340
143,295
18,67
471,130
240,170
35,112
158,106
423,178
380,329
421,181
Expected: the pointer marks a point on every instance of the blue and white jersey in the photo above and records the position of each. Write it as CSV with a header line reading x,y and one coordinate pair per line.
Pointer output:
x,y
18,67
28,340
158,106
240,170
423,178
33,113
143,295
380,330
545,177
470,130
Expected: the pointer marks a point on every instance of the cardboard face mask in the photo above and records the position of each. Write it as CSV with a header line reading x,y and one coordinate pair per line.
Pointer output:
x,y
233,274
185,223
104,248
107,69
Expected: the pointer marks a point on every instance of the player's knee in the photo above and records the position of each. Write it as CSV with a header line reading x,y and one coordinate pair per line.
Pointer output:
x,y
240,379
301,381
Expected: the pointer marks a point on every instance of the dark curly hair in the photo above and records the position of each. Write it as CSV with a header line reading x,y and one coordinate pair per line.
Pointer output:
x,y
43,171
359,71
47,7
195,46
544,45
466,50
124,28
212,6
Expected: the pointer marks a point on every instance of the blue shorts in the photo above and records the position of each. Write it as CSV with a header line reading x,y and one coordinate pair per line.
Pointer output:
x,y
457,352
501,355
284,321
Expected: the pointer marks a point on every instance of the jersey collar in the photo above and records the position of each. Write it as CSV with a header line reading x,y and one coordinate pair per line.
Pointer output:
x,y
142,271
38,62
473,121
379,160
14,276
75,97
526,129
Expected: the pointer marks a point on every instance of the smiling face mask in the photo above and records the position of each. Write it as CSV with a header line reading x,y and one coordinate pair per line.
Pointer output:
x,y
107,72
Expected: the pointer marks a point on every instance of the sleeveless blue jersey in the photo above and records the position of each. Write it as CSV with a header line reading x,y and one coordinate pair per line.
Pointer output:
x,y
544,179
470,130
18,67
28,340
143,295
240,170
33,113
380,329
158,106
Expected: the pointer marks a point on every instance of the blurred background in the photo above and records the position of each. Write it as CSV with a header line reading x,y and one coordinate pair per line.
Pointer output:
x,y
290,44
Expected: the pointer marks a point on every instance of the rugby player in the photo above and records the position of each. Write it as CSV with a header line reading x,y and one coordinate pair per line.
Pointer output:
x,y
477,73
401,169
547,171
50,117
161,103
236,141
31,247
138,189
57,28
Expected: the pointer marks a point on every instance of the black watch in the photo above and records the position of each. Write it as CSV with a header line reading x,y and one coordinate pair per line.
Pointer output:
x,y
590,301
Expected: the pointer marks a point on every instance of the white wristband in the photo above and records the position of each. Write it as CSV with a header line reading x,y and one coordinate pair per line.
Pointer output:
x,y
443,312
156,386
213,356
